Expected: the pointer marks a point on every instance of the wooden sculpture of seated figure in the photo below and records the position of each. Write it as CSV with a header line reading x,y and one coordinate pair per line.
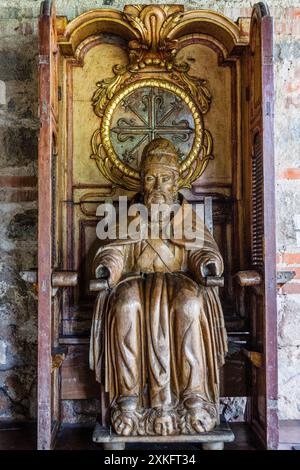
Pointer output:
x,y
158,336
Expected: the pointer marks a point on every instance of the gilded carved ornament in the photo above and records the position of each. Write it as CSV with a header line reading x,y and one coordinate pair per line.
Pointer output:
x,y
153,55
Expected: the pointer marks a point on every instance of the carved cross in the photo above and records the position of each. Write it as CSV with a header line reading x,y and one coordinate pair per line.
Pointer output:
x,y
153,125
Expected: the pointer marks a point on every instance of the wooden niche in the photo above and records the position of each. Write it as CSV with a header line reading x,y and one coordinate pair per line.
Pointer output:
x,y
226,67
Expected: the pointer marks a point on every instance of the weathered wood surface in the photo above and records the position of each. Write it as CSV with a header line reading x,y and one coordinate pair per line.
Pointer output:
x,y
230,188
263,310
48,119
78,380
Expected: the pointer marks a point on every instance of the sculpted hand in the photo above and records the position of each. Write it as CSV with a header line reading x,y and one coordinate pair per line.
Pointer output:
x,y
209,268
102,272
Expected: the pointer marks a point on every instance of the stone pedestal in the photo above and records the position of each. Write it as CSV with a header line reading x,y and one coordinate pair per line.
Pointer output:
x,y
213,440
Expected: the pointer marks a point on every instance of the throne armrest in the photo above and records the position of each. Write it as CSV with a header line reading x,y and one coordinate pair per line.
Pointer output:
x,y
96,285
64,279
244,279
217,281
248,278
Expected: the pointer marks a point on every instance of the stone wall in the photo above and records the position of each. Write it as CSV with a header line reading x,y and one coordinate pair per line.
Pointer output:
x,y
18,194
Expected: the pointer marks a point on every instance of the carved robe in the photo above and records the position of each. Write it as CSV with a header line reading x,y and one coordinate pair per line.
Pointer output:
x,y
157,333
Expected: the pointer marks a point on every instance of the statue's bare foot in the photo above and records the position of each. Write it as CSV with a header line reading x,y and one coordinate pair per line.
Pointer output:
x,y
200,417
164,423
124,425
201,420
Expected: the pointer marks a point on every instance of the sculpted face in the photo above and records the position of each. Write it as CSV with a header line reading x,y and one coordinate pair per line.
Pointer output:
x,y
160,185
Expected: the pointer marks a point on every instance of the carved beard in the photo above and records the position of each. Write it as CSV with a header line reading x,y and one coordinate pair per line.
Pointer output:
x,y
159,198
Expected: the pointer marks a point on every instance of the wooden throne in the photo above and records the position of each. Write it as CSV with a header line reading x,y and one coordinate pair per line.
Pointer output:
x,y
216,77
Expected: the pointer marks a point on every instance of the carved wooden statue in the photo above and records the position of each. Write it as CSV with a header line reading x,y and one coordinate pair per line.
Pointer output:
x,y
110,83
158,336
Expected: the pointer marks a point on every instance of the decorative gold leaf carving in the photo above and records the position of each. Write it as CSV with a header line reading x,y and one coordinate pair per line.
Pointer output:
x,y
196,170
138,24
166,28
198,89
107,167
153,23
107,88
164,85
153,49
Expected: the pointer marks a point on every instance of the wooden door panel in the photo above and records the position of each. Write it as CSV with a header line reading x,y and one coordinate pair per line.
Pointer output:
x,y
48,389
263,313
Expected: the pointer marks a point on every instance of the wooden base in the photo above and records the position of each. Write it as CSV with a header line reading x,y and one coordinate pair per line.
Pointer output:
x,y
213,440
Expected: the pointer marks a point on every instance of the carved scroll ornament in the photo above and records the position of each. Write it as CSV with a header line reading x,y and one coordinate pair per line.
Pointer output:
x,y
153,55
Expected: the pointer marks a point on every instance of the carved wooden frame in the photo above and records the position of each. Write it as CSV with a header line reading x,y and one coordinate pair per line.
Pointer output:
x,y
231,41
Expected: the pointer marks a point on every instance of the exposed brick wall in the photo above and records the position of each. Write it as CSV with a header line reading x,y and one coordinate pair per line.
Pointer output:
x,y
18,193
287,139
18,211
